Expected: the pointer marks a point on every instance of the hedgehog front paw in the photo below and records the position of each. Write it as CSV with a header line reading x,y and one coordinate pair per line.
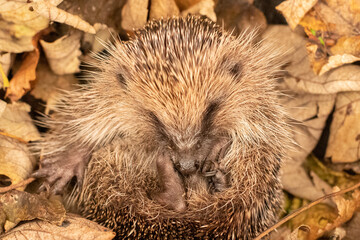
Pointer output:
x,y
57,171
172,194
215,175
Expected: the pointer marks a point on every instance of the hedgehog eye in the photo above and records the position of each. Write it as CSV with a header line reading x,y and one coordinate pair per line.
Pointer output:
x,y
236,70
120,77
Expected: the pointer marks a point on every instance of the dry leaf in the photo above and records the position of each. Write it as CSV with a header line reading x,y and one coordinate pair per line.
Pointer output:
x,y
336,61
15,120
97,42
49,10
163,8
331,26
344,140
18,25
63,54
299,233
310,112
21,206
346,209
239,15
48,85
185,4
203,7
134,14
73,228
295,10
5,63
352,227
16,161
20,83
300,78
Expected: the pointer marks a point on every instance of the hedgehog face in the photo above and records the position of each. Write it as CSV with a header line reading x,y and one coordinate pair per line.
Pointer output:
x,y
190,148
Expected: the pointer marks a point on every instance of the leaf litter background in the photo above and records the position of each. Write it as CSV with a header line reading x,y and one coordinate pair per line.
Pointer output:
x,y
44,42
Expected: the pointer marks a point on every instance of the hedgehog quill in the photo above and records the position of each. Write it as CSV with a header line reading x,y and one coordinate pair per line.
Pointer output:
x,y
179,135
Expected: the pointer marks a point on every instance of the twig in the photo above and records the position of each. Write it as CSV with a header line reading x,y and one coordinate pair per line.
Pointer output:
x,y
304,208
13,136
14,186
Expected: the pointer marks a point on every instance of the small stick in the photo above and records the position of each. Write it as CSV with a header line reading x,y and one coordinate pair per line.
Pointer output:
x,y
13,136
304,208
14,186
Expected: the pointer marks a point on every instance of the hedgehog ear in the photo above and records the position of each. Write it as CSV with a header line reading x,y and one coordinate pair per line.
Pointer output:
x,y
236,70
120,77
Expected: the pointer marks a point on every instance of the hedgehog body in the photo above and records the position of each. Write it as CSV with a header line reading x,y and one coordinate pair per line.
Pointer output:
x,y
181,134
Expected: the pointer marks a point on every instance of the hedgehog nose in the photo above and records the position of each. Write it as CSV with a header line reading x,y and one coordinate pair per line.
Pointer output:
x,y
187,166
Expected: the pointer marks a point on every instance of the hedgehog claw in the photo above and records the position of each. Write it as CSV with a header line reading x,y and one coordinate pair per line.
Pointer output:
x,y
59,172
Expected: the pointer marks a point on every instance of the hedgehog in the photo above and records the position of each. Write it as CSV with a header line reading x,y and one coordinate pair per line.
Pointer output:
x,y
178,134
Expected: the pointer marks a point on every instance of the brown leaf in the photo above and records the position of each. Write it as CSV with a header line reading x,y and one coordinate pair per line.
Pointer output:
x,y
20,83
163,8
21,206
16,161
295,10
73,228
344,139
203,7
185,4
134,14
346,209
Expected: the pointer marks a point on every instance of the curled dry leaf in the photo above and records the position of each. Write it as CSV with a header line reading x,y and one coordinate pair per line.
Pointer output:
x,y
16,161
295,10
15,120
299,76
203,7
299,233
73,228
346,208
18,25
48,85
20,83
134,14
239,16
63,54
97,42
163,8
5,64
344,140
49,10
21,206
338,60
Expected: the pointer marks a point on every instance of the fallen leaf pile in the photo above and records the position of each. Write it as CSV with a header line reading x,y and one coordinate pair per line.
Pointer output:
x,y
43,44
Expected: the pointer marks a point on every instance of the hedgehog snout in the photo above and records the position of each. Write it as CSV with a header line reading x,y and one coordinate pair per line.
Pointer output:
x,y
187,165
